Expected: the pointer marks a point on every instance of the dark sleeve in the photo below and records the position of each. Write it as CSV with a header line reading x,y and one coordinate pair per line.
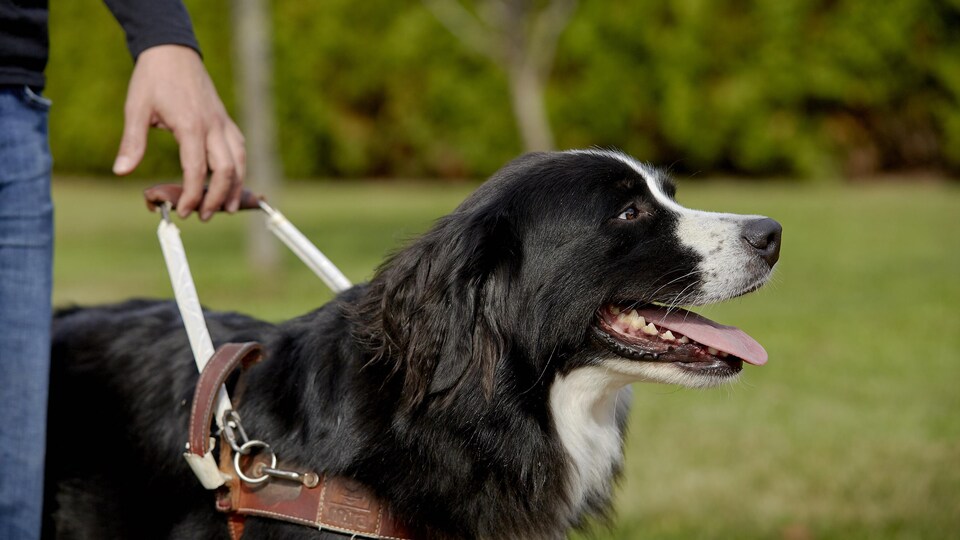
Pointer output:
x,y
148,23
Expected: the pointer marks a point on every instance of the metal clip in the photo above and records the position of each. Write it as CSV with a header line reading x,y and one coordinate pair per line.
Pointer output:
x,y
241,444
308,479
231,428
246,449
165,209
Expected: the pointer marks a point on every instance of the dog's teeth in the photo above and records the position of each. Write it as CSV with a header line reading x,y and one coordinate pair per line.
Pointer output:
x,y
712,351
651,330
633,319
684,339
668,335
723,354
615,310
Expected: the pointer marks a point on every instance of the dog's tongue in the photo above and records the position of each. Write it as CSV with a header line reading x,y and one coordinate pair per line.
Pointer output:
x,y
728,339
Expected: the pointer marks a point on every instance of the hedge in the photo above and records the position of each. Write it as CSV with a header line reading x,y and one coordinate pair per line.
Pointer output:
x,y
804,88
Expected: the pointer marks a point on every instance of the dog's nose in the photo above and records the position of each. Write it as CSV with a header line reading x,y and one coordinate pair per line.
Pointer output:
x,y
763,235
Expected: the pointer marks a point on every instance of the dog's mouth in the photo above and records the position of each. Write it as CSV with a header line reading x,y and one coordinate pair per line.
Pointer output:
x,y
657,334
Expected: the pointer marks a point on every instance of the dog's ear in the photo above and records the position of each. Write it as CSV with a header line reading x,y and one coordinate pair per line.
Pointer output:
x,y
436,308
489,253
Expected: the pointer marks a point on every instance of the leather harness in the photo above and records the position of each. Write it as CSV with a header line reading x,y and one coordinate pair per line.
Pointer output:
x,y
328,503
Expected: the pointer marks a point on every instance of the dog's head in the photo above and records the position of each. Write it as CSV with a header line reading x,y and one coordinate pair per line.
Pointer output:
x,y
562,260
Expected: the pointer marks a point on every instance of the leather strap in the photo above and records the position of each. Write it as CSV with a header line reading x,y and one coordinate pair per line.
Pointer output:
x,y
218,368
170,193
335,504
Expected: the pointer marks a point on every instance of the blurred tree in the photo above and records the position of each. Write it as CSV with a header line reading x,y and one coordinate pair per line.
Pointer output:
x,y
519,36
254,73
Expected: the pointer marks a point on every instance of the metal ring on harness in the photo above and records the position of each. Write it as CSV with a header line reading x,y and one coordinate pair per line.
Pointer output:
x,y
246,450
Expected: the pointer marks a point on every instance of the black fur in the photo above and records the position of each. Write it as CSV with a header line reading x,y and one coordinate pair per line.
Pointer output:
x,y
429,384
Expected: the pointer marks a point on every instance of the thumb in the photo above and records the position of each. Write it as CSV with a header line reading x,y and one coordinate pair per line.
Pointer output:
x,y
133,143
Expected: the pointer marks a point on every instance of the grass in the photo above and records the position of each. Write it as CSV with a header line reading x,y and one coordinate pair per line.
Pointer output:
x,y
851,431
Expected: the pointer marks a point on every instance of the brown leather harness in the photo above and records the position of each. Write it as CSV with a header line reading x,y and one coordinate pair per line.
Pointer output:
x,y
275,490
328,503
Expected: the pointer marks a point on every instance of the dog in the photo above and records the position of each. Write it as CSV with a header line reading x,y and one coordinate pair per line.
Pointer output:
x,y
478,383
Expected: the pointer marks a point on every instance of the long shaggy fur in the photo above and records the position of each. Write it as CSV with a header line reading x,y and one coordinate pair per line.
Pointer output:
x,y
431,384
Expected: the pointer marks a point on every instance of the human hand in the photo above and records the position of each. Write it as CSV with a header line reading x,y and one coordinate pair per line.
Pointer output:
x,y
170,89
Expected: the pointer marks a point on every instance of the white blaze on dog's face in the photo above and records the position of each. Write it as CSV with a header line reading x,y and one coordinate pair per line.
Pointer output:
x,y
735,250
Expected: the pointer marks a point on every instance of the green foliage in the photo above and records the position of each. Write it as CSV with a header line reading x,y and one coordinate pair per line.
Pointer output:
x,y
791,86
378,88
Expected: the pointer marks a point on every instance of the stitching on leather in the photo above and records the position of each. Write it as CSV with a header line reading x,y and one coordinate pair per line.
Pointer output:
x,y
323,500
208,406
285,517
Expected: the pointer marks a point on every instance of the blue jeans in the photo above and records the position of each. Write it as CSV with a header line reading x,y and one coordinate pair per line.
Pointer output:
x,y
26,260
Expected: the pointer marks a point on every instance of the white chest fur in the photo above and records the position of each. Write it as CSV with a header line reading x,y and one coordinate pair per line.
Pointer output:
x,y
585,405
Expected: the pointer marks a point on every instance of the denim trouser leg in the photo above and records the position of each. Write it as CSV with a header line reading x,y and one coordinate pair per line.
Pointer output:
x,y
26,254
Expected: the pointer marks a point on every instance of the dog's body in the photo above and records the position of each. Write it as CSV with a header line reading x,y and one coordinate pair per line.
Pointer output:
x,y
478,383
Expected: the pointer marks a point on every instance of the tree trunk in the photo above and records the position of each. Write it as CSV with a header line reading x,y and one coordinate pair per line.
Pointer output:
x,y
521,38
254,76
529,108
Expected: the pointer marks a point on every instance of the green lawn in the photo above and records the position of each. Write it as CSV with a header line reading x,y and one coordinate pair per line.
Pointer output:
x,y
851,431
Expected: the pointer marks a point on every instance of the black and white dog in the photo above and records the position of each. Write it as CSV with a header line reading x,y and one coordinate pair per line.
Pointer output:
x,y
479,382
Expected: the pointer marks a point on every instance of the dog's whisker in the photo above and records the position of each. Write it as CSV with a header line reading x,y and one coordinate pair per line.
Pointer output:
x,y
543,372
655,293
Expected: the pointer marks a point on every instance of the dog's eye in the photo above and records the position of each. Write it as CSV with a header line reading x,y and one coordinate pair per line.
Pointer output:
x,y
630,214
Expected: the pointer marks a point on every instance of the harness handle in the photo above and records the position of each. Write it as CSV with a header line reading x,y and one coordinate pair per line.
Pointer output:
x,y
162,195
156,196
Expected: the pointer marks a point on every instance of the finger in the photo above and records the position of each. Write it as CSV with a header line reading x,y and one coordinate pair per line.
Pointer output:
x,y
234,198
236,143
133,143
193,161
224,173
